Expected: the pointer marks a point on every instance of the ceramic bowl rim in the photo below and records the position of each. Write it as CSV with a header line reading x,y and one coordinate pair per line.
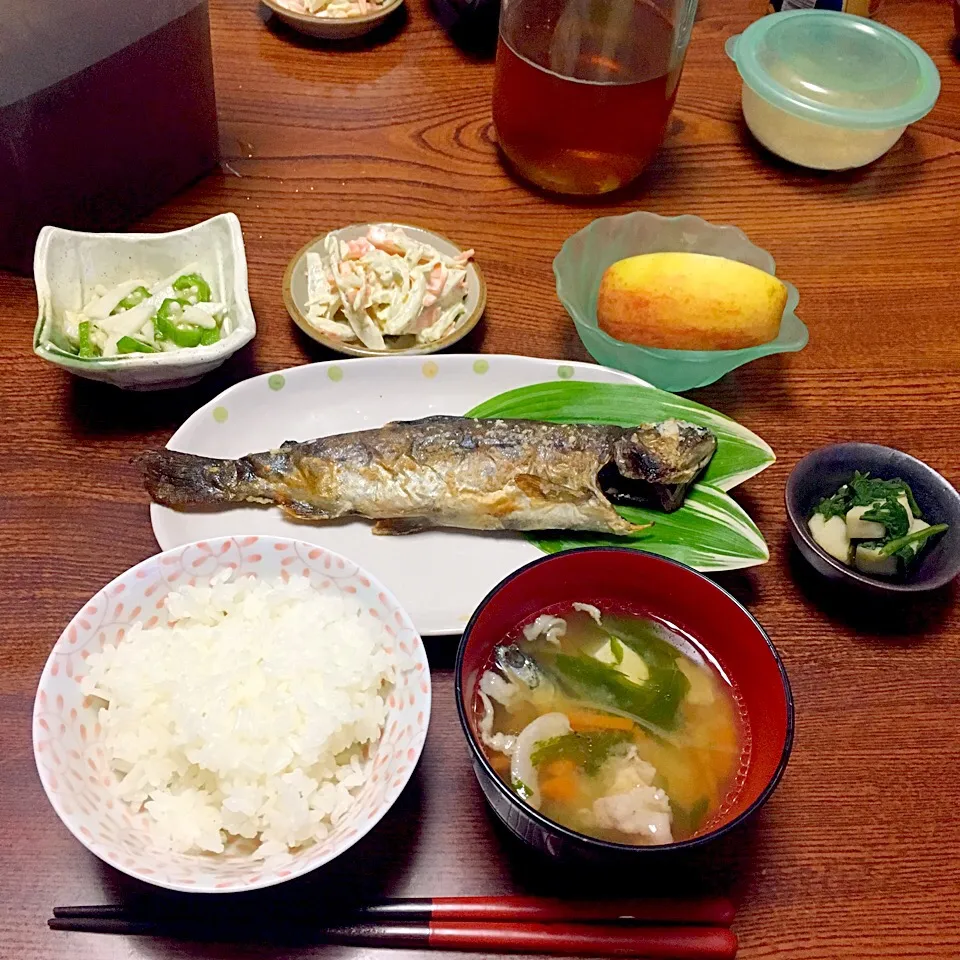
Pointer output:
x,y
331,343
594,843
364,830
308,18
799,527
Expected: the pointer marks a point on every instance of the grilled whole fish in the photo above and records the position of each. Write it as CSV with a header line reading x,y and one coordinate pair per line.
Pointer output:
x,y
453,472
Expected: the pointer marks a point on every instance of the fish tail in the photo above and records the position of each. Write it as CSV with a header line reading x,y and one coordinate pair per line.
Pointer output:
x,y
183,480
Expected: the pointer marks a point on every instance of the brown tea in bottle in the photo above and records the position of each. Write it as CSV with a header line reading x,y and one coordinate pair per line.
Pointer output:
x,y
583,90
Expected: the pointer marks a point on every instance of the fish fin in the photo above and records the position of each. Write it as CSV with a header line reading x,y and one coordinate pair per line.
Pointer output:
x,y
672,496
301,510
395,527
624,528
625,491
438,420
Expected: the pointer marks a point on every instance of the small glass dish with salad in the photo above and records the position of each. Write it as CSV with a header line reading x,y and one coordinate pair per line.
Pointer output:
x,y
143,311
876,517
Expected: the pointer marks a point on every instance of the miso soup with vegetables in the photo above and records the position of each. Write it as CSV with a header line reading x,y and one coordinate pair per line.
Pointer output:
x,y
873,525
614,725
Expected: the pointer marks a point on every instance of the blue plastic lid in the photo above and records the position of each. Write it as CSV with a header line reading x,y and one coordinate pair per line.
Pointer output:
x,y
836,68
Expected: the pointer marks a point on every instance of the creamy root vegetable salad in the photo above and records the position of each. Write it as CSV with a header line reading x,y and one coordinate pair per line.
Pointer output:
x,y
385,285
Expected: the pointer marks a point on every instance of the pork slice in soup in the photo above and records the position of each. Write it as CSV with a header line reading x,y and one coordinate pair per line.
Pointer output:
x,y
613,725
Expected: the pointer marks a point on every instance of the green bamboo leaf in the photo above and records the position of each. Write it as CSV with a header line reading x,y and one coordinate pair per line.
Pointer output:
x,y
710,532
741,454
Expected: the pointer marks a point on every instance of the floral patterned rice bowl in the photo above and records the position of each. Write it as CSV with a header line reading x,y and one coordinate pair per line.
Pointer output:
x,y
73,766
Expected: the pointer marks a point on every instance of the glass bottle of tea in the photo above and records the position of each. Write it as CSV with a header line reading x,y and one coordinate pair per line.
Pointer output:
x,y
583,89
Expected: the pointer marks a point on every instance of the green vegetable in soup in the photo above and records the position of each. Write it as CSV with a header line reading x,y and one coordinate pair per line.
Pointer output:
x,y
587,750
687,821
521,788
644,638
616,648
656,701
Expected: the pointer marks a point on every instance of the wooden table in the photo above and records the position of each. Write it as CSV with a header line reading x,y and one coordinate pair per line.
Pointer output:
x,y
858,853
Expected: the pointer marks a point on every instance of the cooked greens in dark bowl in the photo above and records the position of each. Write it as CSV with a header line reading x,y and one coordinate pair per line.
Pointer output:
x,y
873,525
875,518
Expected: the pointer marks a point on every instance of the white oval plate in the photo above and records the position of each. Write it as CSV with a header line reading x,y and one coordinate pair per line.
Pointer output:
x,y
439,576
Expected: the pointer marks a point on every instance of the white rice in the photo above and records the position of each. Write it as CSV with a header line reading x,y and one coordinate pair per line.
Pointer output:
x,y
251,717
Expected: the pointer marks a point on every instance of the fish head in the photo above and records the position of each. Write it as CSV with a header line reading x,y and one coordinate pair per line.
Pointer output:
x,y
671,453
516,665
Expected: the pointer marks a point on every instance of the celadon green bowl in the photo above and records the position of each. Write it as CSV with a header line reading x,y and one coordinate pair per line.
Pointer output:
x,y
583,258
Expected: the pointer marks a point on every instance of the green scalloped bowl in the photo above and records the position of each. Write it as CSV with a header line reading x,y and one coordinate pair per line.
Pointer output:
x,y
583,258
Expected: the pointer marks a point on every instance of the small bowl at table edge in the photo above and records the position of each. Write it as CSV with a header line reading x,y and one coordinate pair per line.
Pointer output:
x,y
332,28
156,371
937,566
357,349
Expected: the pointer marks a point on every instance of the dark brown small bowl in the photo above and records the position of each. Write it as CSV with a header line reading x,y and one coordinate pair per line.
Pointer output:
x,y
820,473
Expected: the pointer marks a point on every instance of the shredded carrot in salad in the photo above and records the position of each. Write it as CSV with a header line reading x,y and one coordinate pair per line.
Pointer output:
x,y
385,284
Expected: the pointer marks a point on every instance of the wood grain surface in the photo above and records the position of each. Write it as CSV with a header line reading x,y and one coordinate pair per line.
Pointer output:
x,y
858,853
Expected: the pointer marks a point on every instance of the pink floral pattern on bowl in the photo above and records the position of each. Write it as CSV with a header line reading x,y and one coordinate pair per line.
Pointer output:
x,y
73,766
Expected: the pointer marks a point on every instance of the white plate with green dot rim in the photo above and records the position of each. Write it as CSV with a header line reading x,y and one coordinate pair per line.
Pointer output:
x,y
438,576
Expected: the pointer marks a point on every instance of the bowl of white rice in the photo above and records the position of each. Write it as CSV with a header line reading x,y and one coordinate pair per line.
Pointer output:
x,y
231,714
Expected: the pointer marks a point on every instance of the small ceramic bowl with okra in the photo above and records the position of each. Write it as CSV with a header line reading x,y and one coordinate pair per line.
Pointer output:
x,y
143,311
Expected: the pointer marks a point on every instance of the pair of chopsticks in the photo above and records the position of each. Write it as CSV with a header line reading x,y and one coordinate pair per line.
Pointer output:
x,y
677,929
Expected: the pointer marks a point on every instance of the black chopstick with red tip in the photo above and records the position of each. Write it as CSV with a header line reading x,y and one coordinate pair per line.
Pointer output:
x,y
563,939
681,929
706,911
713,911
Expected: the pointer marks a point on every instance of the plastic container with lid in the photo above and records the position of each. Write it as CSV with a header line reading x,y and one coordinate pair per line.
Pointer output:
x,y
830,91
